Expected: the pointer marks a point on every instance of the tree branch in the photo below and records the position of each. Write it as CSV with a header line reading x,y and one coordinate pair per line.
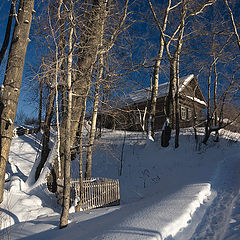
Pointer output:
x,y
159,25
118,30
233,23
209,3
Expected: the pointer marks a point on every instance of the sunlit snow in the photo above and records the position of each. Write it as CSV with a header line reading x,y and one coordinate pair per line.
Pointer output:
x,y
166,193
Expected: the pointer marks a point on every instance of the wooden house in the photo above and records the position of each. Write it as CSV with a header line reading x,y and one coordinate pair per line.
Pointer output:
x,y
131,112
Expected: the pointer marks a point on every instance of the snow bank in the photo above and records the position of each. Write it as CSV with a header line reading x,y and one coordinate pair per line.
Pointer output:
x,y
161,188
193,197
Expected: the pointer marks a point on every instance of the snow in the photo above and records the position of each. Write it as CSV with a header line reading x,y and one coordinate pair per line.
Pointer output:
x,y
197,100
183,81
187,193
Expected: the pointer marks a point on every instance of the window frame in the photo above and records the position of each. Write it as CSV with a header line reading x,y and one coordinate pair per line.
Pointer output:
x,y
183,113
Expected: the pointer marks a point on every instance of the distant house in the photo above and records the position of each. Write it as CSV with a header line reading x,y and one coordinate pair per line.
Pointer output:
x,y
131,112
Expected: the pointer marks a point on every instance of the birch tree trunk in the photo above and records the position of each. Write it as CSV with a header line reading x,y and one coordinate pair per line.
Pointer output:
x,y
62,16
177,105
12,83
88,172
156,71
91,39
88,51
177,59
208,121
80,144
67,146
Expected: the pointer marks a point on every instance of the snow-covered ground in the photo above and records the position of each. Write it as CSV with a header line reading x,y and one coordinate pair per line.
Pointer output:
x,y
187,193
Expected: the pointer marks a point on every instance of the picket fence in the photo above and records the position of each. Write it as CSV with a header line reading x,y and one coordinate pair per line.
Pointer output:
x,y
97,192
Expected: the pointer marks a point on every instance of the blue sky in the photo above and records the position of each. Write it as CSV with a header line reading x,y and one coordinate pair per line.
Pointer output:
x,y
23,104
33,54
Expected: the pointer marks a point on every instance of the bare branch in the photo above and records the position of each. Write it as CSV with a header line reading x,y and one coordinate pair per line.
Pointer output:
x,y
209,3
172,38
233,23
179,3
159,25
118,30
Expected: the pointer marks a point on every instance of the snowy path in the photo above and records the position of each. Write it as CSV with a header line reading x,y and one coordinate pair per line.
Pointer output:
x,y
233,230
220,221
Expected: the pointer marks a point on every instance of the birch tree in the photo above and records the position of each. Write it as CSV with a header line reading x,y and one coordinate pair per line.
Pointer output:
x,y
103,49
67,145
235,30
12,82
54,36
156,68
215,109
173,45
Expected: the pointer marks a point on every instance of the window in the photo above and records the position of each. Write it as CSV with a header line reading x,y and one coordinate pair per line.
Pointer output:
x,y
138,118
183,113
189,113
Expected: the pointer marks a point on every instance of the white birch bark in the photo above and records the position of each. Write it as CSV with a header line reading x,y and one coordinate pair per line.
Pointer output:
x,y
67,157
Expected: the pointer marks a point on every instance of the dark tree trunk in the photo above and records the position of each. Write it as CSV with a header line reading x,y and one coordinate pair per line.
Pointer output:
x,y
12,83
87,55
170,108
46,133
177,124
40,105
7,33
80,144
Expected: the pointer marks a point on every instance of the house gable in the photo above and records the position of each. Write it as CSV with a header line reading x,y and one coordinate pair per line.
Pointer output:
x,y
192,91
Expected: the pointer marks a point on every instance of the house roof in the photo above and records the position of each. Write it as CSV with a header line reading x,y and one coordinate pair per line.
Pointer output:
x,y
145,94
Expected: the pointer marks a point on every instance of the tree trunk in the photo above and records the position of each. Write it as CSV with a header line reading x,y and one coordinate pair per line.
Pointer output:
x,y
156,73
177,106
215,93
67,146
208,121
62,18
87,55
155,89
40,105
177,69
171,108
88,172
46,133
80,144
12,83
7,33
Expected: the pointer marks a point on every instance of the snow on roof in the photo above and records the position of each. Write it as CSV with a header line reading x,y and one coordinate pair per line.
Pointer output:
x,y
197,100
183,81
145,94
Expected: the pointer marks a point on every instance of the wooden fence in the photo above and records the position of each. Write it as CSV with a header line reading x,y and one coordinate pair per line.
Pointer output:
x,y
20,131
97,192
